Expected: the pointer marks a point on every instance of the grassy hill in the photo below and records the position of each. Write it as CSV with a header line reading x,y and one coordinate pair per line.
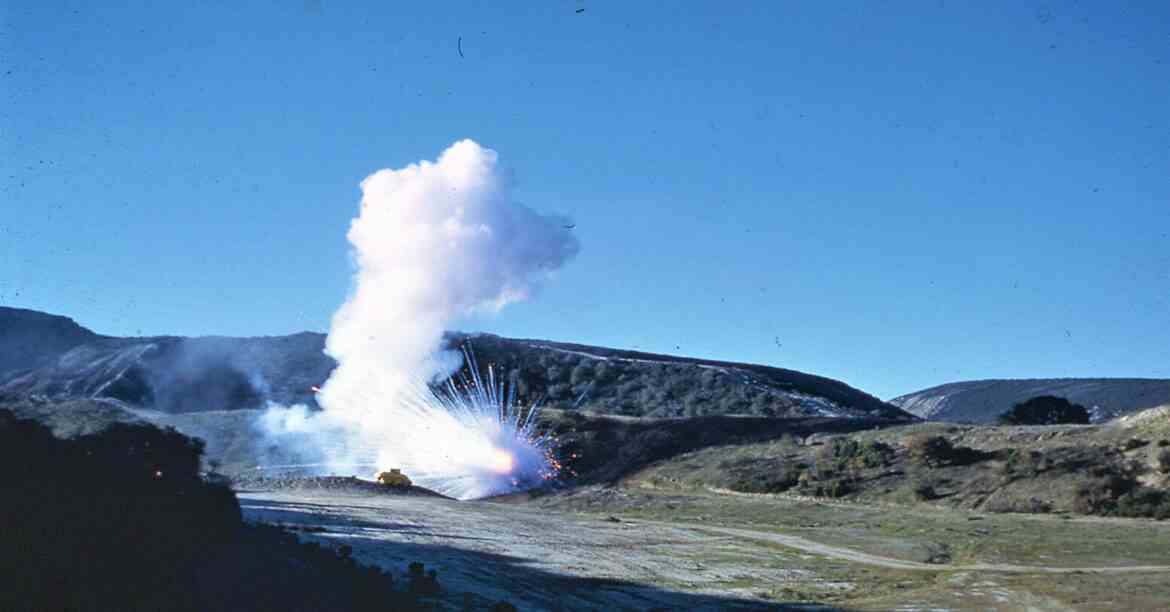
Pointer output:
x,y
1118,468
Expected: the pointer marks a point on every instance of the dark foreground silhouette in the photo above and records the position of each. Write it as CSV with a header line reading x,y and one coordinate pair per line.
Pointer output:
x,y
122,520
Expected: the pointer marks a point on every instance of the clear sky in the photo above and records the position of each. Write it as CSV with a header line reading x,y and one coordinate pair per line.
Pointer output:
x,y
894,194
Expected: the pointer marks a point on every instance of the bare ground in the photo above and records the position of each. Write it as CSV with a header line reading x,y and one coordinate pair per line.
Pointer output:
x,y
535,559
550,559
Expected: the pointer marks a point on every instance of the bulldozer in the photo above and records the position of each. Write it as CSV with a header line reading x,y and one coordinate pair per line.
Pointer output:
x,y
394,478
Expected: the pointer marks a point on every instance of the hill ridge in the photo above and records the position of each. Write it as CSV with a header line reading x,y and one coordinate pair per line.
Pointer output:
x,y
193,374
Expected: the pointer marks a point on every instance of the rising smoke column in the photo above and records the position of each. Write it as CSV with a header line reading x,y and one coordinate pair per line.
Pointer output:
x,y
433,242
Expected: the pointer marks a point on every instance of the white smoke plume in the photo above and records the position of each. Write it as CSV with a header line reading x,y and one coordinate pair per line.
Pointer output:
x,y
433,243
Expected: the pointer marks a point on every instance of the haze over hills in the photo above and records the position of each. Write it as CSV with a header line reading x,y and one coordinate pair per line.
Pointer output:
x,y
53,357
982,401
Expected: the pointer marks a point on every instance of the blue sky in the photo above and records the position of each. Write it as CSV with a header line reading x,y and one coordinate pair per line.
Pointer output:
x,y
894,194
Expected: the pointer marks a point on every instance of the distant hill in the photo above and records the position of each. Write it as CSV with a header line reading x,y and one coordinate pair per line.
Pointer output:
x,y
982,401
30,339
53,358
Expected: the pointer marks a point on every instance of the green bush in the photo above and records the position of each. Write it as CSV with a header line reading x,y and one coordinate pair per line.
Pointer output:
x,y
841,455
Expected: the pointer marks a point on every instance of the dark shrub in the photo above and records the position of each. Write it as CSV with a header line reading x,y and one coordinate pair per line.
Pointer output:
x,y
875,454
1163,462
1099,496
118,518
1133,443
923,490
1145,502
929,450
423,583
783,479
1004,503
837,488
1045,410
842,455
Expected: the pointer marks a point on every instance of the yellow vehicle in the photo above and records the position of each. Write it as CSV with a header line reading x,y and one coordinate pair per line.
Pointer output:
x,y
394,478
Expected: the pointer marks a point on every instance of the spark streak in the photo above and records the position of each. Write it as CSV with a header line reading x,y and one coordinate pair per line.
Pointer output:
x,y
469,438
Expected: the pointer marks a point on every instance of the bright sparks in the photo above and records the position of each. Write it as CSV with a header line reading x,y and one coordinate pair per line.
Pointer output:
x,y
502,462
467,439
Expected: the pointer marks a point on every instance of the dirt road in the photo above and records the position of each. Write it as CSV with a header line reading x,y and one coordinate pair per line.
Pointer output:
x,y
868,559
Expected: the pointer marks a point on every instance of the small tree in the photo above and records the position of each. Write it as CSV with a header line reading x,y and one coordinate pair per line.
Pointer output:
x,y
1045,410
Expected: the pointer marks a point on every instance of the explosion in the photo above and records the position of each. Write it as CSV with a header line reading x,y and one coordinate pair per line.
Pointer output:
x,y
469,438
433,243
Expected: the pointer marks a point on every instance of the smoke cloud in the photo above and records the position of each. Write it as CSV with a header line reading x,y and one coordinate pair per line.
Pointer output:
x,y
433,243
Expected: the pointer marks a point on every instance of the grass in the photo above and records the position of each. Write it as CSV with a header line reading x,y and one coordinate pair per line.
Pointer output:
x,y
918,534
914,534
989,469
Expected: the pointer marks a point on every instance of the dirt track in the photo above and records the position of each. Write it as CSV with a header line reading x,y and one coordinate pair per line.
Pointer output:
x,y
868,559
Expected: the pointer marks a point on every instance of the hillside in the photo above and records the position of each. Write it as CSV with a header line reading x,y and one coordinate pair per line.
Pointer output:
x,y
981,401
29,339
178,375
1028,469
631,383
